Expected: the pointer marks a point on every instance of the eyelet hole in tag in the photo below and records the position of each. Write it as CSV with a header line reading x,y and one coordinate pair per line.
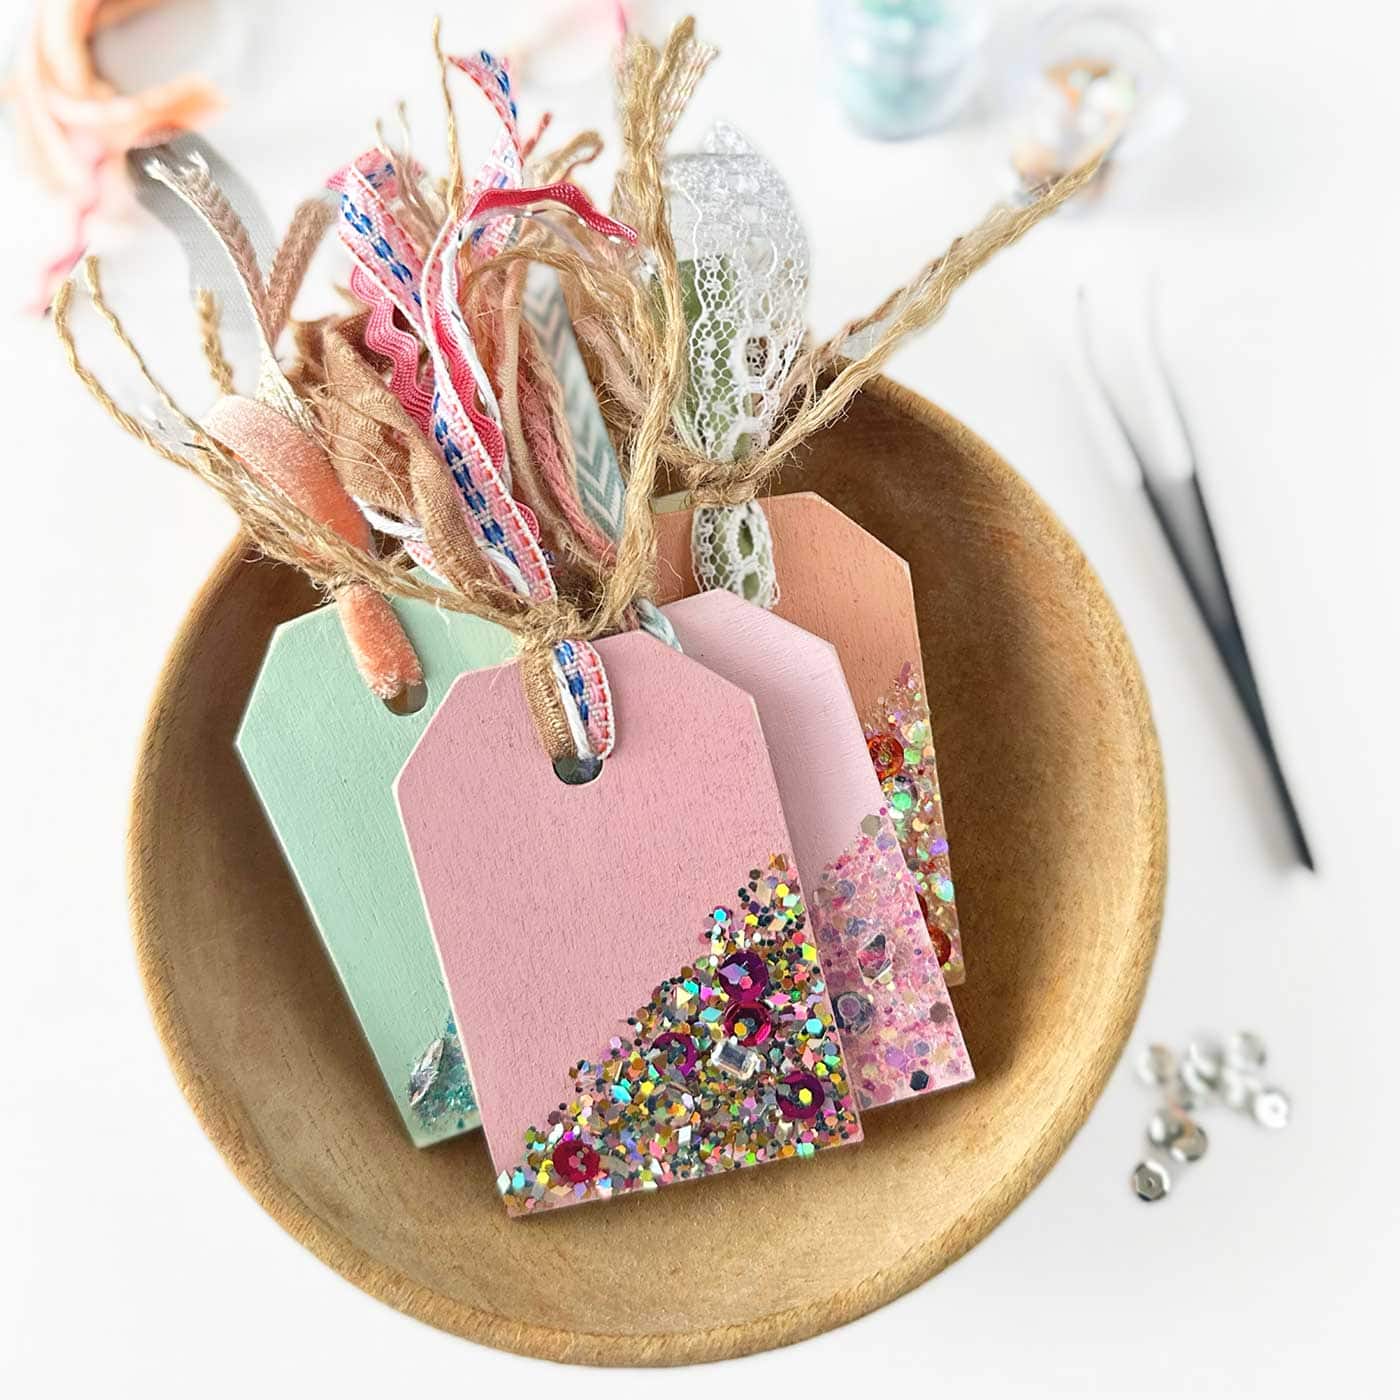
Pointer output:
x,y
408,701
577,770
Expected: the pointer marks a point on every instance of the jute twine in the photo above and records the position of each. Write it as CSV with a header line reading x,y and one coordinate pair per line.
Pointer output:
x,y
632,323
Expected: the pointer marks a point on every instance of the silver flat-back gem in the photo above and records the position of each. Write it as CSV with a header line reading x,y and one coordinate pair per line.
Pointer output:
x,y
730,1057
1247,1051
423,1075
1189,1145
1164,1127
1271,1107
1156,1065
1151,1181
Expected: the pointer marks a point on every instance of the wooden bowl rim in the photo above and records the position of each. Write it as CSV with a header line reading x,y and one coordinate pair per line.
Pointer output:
x,y
255,1169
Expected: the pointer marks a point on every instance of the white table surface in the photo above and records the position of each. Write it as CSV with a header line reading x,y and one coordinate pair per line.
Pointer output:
x,y
134,1264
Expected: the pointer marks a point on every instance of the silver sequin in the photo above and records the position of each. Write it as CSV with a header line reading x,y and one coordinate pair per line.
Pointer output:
x,y
1247,1051
1238,1090
1207,1059
1272,1108
1164,1127
1156,1065
1189,1145
1151,1181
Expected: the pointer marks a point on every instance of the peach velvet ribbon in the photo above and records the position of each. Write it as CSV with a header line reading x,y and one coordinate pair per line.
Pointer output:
x,y
287,459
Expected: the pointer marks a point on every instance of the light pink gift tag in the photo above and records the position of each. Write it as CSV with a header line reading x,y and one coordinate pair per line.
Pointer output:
x,y
898,1028
628,959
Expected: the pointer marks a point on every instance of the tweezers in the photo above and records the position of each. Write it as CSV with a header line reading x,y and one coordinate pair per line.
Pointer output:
x,y
1182,515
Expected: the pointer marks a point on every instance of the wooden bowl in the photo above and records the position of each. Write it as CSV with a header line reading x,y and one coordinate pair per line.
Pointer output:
x,y
1053,785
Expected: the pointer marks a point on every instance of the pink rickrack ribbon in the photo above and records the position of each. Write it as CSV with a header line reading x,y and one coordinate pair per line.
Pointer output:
x,y
452,398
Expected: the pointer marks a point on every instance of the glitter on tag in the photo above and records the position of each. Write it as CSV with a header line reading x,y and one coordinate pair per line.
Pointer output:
x,y
897,1025
899,736
734,1062
438,1084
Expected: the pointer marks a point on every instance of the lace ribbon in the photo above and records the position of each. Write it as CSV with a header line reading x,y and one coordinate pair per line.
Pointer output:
x,y
743,261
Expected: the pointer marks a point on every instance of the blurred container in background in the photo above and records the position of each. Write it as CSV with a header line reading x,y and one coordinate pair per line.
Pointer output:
x,y
905,67
1085,76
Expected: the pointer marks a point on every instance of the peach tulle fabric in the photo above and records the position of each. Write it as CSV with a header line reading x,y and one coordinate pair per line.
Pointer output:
x,y
74,127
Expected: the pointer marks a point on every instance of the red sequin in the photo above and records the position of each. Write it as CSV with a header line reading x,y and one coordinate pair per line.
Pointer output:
x,y
887,754
575,1161
942,944
749,1022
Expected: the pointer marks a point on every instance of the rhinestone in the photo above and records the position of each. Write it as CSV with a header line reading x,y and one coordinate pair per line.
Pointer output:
x,y
423,1075
1271,1108
1189,1144
730,1057
855,1012
1164,1127
874,960
1247,1051
1156,1065
1151,1181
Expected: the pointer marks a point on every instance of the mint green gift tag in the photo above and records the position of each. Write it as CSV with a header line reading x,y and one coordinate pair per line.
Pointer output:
x,y
323,754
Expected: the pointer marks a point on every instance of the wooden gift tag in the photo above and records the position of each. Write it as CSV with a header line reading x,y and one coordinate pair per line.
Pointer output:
x,y
629,958
840,583
898,1028
323,754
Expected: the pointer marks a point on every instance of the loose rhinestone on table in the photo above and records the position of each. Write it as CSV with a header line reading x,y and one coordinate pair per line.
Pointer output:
x,y
1151,1181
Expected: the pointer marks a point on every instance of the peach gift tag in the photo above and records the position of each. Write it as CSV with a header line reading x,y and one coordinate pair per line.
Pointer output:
x,y
841,584
629,959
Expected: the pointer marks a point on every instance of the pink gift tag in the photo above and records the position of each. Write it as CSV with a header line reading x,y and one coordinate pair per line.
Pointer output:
x,y
898,1028
840,583
629,959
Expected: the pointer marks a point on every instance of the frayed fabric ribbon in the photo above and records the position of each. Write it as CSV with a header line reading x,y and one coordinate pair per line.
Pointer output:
x,y
453,399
